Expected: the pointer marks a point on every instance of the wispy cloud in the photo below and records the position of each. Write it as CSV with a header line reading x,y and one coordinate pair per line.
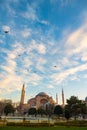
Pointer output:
x,y
27,62
1,41
30,13
85,76
26,33
39,47
11,83
66,73
34,79
45,22
50,86
76,41
18,48
17,74
9,78
84,56
65,2
62,3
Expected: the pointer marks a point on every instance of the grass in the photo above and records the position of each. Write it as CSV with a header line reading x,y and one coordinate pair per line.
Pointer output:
x,y
43,128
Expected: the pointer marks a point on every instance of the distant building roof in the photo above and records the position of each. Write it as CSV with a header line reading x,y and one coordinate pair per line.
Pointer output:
x,y
86,99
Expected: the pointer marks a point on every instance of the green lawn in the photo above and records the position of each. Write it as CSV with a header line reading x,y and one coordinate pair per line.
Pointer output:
x,y
44,128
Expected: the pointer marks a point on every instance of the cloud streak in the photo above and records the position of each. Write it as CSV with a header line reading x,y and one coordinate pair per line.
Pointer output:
x,y
60,77
76,41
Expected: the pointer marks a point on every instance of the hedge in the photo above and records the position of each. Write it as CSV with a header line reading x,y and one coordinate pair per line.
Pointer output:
x,y
72,123
28,124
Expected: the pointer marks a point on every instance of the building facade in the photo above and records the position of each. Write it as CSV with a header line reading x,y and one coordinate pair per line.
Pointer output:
x,y
40,100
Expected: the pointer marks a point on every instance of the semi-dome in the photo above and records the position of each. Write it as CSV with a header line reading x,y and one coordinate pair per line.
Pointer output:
x,y
42,94
86,99
31,100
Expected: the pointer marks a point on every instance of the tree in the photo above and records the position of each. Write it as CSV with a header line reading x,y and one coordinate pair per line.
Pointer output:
x,y
8,109
67,114
32,111
49,109
83,109
41,111
1,108
76,106
58,110
73,100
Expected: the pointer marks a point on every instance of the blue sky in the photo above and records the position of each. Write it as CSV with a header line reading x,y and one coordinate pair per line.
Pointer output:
x,y
45,47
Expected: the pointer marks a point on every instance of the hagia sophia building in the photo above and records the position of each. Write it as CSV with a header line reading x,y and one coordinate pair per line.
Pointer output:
x,y
41,100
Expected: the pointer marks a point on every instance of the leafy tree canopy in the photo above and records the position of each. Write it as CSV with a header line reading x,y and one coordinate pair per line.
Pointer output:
x,y
58,110
9,109
32,111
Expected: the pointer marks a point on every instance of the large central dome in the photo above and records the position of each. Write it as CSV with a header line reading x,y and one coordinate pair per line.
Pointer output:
x,y
41,94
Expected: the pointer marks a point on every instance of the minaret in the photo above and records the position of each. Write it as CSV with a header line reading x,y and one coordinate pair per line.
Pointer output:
x,y
63,98
56,98
22,95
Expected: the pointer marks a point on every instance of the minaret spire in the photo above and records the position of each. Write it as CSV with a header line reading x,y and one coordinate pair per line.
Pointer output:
x,y
56,98
22,95
63,103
